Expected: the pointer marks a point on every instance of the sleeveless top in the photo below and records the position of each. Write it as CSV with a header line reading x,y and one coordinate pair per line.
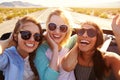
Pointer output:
x,y
84,73
87,73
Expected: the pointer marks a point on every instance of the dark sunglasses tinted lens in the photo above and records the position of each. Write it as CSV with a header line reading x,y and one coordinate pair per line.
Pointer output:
x,y
25,35
63,28
37,37
91,32
80,32
52,26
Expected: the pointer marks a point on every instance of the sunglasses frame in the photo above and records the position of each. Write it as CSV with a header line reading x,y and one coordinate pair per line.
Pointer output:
x,y
26,35
62,28
90,32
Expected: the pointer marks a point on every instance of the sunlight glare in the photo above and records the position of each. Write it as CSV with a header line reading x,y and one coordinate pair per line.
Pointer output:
x,y
0,49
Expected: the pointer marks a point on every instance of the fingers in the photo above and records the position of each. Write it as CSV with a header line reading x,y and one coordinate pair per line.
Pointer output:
x,y
118,21
45,34
47,37
114,21
1,50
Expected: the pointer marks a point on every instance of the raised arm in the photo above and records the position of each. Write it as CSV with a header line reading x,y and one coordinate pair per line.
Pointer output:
x,y
6,43
47,69
3,45
113,61
54,47
116,29
42,64
70,60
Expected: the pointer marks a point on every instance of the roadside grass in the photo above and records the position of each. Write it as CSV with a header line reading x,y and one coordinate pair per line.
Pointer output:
x,y
9,13
99,12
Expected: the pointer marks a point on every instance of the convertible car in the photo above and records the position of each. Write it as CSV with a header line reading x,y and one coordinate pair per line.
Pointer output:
x,y
109,44
109,38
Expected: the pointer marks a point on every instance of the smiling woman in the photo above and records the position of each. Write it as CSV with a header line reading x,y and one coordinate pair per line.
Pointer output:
x,y
27,35
86,58
50,52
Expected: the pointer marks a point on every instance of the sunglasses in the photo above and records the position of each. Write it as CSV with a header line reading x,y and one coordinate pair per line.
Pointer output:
x,y
90,32
53,26
25,35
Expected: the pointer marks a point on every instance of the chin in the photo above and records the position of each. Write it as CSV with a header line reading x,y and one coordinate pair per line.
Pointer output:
x,y
83,50
30,51
58,42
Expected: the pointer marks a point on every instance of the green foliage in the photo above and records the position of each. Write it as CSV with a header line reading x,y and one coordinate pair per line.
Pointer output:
x,y
99,12
9,13
1,19
103,15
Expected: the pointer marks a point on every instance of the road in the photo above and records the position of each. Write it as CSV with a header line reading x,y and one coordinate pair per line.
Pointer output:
x,y
41,16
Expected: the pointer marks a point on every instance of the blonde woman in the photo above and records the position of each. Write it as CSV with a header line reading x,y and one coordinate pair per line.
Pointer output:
x,y
57,34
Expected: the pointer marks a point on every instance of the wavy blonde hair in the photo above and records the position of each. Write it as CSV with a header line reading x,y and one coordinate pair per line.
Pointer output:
x,y
65,15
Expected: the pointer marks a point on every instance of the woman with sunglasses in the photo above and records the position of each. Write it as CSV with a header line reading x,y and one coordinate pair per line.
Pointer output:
x,y
86,59
57,33
16,62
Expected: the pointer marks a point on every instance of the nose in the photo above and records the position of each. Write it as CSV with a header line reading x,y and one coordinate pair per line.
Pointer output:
x,y
32,38
85,34
57,30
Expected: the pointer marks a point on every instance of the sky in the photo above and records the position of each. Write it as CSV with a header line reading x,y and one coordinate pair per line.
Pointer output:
x,y
73,3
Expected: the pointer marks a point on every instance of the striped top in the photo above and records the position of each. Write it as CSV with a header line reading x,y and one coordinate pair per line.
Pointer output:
x,y
84,73
87,73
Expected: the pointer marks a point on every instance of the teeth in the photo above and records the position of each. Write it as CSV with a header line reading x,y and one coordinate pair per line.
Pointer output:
x,y
30,45
57,36
84,42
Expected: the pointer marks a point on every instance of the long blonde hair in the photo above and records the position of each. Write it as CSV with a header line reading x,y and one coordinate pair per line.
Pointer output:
x,y
66,17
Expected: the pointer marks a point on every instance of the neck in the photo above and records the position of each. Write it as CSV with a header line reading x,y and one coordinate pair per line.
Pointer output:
x,y
86,58
23,54
87,55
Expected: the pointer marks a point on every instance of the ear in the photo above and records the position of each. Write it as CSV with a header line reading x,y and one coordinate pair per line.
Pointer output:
x,y
15,37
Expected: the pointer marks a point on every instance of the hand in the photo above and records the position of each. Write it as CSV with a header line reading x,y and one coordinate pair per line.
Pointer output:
x,y
54,62
7,43
4,44
50,41
116,29
116,25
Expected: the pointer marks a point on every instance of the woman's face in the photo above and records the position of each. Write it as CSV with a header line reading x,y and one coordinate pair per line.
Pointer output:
x,y
57,34
28,43
87,37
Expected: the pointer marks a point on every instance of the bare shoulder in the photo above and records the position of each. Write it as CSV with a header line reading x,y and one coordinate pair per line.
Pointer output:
x,y
112,57
113,62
